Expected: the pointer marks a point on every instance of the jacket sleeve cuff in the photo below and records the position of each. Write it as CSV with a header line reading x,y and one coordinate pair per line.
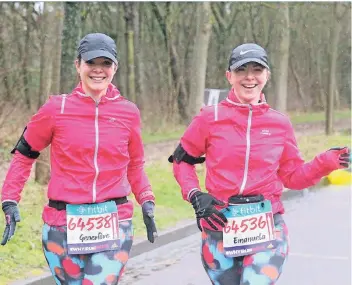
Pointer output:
x,y
191,192
145,196
13,201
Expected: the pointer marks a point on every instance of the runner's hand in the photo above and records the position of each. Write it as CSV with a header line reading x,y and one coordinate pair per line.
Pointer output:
x,y
12,216
343,155
148,218
203,204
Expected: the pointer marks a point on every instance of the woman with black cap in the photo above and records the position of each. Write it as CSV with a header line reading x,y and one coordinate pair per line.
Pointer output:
x,y
97,159
251,155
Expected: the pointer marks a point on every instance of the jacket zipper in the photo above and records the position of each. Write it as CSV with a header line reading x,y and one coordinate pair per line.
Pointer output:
x,y
96,152
248,146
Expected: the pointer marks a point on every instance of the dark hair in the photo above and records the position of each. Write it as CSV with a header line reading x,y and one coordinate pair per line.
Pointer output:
x,y
78,78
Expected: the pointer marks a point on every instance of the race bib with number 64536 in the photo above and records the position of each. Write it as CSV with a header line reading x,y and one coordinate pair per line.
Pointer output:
x,y
250,228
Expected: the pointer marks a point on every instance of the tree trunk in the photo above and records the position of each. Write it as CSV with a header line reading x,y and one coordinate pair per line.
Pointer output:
x,y
129,40
25,70
179,85
322,92
299,85
332,74
70,40
281,94
139,80
5,59
120,77
337,98
17,75
42,168
57,50
177,80
199,58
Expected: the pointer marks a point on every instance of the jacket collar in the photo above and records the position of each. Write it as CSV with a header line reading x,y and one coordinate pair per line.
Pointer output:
x,y
112,93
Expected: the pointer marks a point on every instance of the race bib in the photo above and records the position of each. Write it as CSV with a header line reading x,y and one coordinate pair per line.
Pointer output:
x,y
250,229
92,227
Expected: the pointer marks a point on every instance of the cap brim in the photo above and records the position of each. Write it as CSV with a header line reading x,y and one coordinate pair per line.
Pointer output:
x,y
98,53
246,60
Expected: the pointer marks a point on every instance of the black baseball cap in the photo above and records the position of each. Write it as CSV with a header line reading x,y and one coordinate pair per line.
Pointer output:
x,y
97,45
245,53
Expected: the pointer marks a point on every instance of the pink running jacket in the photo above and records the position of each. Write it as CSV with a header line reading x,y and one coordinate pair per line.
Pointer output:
x,y
96,152
250,150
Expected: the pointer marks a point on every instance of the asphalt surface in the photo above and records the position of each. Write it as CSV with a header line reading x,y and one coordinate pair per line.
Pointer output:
x,y
319,225
320,247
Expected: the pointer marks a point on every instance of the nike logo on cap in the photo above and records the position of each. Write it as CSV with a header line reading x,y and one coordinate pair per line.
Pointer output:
x,y
244,52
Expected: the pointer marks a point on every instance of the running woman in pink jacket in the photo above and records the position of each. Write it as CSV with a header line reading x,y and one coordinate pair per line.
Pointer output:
x,y
251,155
97,159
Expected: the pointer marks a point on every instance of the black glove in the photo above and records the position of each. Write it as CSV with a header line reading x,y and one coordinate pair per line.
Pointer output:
x,y
344,158
148,218
12,216
203,204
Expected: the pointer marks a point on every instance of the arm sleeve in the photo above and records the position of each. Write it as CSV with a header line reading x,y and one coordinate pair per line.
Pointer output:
x,y
38,135
194,142
136,175
294,173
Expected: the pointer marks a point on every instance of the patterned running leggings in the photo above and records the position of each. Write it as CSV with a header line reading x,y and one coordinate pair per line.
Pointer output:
x,y
262,268
103,268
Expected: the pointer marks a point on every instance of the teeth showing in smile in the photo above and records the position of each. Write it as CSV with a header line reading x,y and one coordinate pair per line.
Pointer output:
x,y
97,78
249,86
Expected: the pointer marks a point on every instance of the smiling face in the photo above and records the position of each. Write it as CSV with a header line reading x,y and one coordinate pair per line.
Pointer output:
x,y
96,75
248,81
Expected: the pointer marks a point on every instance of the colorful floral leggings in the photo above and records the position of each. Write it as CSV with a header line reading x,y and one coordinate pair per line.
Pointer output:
x,y
262,268
104,268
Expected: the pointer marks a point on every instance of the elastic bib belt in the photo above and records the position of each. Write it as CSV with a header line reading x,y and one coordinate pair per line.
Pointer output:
x,y
240,199
59,205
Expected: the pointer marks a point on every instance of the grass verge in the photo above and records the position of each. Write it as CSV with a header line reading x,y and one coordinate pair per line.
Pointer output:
x,y
175,133
163,135
311,117
23,256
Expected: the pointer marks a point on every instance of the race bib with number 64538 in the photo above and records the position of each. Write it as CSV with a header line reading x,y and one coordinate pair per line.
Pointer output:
x,y
92,227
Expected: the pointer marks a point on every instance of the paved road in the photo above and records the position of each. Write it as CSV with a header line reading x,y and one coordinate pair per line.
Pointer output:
x,y
320,248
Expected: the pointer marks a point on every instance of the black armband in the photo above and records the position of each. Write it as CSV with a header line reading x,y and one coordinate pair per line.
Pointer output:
x,y
181,155
24,148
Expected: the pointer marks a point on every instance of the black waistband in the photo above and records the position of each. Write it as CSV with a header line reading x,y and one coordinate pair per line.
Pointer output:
x,y
239,199
60,205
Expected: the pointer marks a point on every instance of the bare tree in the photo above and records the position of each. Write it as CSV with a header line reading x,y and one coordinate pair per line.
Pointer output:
x,y
199,58
130,15
5,40
42,169
58,22
161,52
281,93
165,20
339,12
70,40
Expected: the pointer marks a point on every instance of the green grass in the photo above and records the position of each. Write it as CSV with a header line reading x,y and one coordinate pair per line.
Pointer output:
x,y
311,117
173,133
312,145
24,254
